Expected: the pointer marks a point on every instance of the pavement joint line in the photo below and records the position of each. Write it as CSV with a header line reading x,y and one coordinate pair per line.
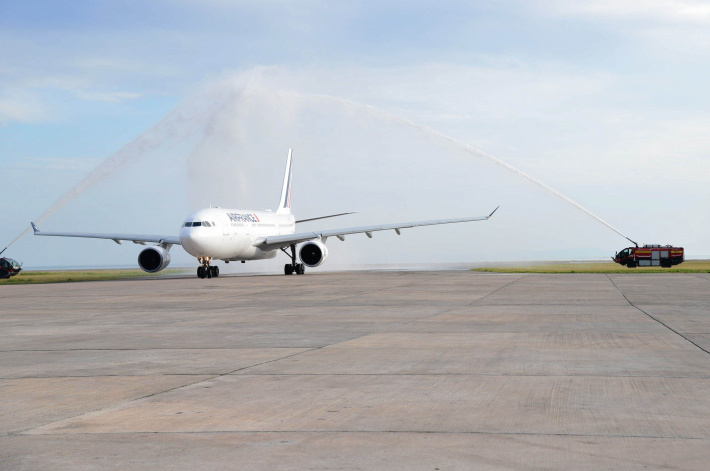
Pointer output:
x,y
524,275
373,432
474,375
211,378
462,305
134,375
492,375
371,292
121,403
657,320
555,304
152,349
326,303
300,353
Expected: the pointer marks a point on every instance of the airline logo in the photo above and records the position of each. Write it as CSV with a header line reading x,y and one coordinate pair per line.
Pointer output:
x,y
236,217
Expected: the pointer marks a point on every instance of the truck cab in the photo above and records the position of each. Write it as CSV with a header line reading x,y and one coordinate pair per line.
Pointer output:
x,y
624,257
9,267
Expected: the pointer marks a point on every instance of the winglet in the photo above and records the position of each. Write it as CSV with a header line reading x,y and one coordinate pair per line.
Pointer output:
x,y
34,228
285,203
493,212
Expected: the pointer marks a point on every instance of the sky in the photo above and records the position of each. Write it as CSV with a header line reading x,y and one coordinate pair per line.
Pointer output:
x,y
195,101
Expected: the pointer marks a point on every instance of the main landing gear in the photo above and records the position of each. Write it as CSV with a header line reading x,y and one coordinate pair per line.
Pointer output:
x,y
207,271
293,267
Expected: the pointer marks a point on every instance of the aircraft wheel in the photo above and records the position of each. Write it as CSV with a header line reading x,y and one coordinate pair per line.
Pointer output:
x,y
288,269
200,272
208,272
300,269
215,272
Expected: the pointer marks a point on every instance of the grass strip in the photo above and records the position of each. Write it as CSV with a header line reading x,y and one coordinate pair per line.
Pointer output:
x,y
692,266
68,276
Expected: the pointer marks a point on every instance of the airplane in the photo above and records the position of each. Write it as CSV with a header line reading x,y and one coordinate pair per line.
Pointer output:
x,y
232,235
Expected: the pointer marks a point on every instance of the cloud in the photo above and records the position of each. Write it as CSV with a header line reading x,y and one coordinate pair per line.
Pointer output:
x,y
34,99
55,164
22,107
678,26
663,11
110,97
81,87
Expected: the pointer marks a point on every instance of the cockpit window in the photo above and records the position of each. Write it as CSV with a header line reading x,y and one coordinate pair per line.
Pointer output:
x,y
200,223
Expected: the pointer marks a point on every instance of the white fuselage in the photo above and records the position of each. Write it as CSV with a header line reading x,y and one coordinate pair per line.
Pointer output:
x,y
230,234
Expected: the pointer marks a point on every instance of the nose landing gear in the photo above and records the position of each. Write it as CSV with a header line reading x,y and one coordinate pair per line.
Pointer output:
x,y
293,267
207,271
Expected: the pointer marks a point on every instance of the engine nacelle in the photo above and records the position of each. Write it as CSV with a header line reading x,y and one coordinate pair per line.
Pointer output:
x,y
313,253
153,259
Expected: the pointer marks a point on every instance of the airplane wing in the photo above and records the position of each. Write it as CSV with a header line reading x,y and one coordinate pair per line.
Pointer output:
x,y
118,238
276,242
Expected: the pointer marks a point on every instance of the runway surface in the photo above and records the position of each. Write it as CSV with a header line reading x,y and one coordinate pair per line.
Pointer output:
x,y
363,370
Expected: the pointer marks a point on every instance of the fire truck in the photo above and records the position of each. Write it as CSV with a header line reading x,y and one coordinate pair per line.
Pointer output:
x,y
650,256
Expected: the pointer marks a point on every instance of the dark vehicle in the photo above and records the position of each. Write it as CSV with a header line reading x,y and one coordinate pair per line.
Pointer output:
x,y
9,267
650,256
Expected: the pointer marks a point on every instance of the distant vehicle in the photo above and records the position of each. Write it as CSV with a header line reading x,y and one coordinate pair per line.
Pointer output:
x,y
235,235
9,267
650,256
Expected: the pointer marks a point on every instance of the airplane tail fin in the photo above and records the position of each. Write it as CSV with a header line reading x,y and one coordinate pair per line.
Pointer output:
x,y
285,203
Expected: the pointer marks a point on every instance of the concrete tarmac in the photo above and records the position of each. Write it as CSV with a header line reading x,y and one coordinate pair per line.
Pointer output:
x,y
447,370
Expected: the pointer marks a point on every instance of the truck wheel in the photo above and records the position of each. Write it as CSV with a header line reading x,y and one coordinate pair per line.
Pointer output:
x,y
631,264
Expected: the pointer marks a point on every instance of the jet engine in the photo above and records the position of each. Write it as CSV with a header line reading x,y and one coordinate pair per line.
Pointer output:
x,y
313,253
153,259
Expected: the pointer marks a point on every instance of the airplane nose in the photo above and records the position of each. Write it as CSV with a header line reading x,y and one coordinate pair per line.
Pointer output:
x,y
192,242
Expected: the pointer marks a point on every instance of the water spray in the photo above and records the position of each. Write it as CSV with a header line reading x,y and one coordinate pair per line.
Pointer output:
x,y
173,126
472,150
170,127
